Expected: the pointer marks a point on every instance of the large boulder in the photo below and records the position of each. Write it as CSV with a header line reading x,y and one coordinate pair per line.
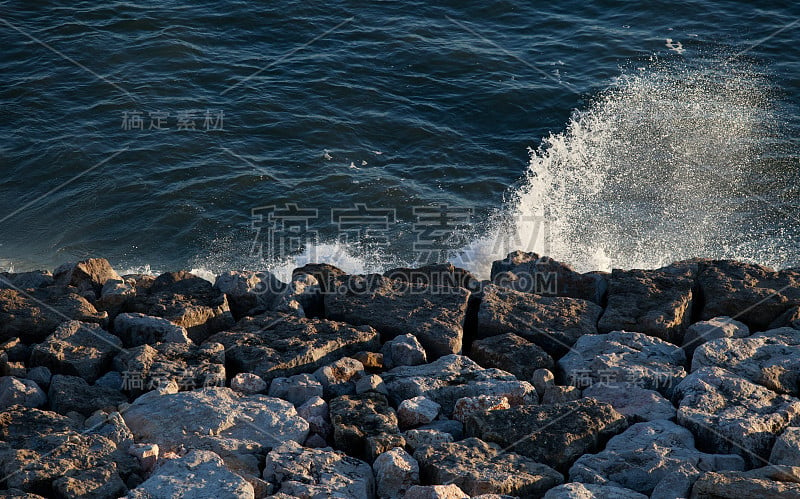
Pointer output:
x,y
555,434
511,353
436,274
434,314
251,293
647,453
73,394
364,425
451,378
634,402
732,415
770,481
478,467
38,447
139,329
542,275
274,346
654,302
88,276
787,448
35,314
26,280
576,490
186,300
753,294
718,327
395,472
619,356
77,349
297,471
200,473
770,359
190,366
24,392
553,323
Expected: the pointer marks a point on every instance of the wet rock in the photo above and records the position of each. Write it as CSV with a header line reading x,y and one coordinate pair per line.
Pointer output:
x,y
511,353
769,481
87,275
25,392
754,294
556,434
553,323
102,481
634,402
403,350
786,450
416,438
434,314
395,472
188,301
189,419
654,302
71,393
200,473
718,327
417,411
301,472
77,349
450,491
297,389
188,365
364,426
452,377
32,316
248,383
647,453
591,491
531,273
729,414
468,406
770,359
26,280
139,329
38,447
340,377
272,346
323,273
620,356
371,383
477,467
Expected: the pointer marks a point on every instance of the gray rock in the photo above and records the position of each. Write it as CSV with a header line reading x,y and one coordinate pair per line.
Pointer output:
x,y
786,450
297,389
371,383
444,275
111,379
770,359
185,300
718,327
560,394
753,294
434,314
553,323
115,296
41,376
635,403
395,472
248,383
364,426
451,426
32,316
272,346
315,411
555,435
340,377
453,377
25,392
542,379
450,491
199,473
591,491
77,349
511,353
477,467
646,453
71,393
790,318
302,472
140,329
87,275
620,356
468,406
101,481
770,481
732,415
403,350
417,438
26,280
654,302
531,273
417,411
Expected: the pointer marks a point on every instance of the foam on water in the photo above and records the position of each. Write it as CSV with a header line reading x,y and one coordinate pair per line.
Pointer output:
x,y
659,167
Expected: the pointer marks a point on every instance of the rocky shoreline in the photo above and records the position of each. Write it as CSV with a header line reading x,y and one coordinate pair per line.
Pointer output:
x,y
418,383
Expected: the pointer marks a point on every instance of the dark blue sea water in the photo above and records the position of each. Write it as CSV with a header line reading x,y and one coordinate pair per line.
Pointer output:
x,y
232,134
